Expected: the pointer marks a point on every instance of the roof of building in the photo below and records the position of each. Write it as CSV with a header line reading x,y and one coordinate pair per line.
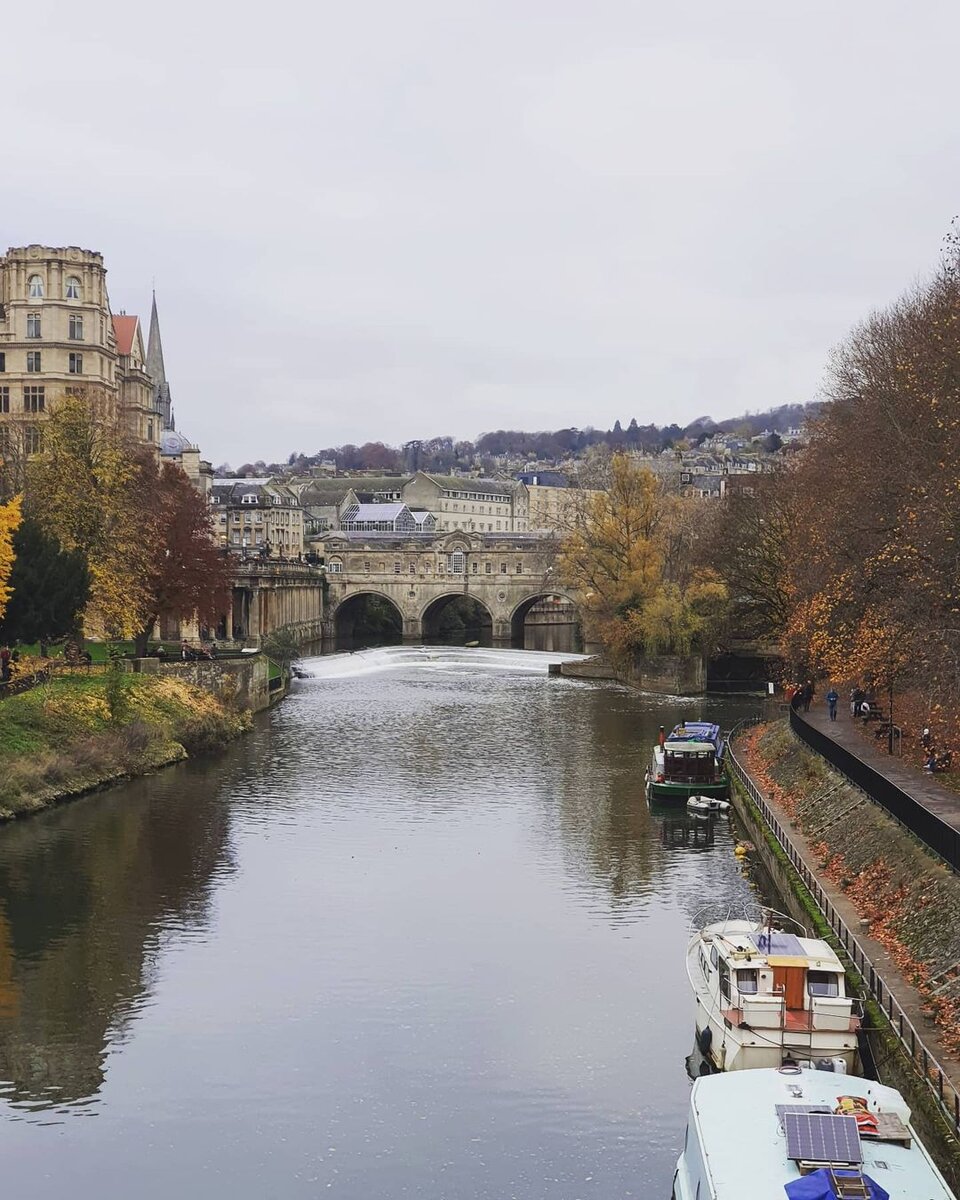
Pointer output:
x,y
172,442
125,330
374,512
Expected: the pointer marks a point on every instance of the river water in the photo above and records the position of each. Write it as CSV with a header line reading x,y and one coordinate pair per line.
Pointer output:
x,y
416,936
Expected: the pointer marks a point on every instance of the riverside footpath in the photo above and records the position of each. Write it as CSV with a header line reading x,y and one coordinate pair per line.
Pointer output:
x,y
924,789
889,905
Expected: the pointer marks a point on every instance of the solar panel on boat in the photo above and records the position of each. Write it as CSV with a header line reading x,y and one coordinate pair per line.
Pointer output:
x,y
817,1137
801,1108
776,942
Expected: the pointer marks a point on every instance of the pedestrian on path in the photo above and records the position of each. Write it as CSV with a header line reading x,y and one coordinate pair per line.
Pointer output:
x,y
807,695
832,699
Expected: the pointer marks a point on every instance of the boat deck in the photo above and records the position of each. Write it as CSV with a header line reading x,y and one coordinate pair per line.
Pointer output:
x,y
796,1020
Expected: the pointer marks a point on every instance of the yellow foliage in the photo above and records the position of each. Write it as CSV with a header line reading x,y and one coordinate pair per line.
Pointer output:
x,y
10,517
629,558
82,489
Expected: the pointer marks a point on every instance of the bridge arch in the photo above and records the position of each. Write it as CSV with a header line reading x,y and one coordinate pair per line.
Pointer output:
x,y
555,604
457,612
368,613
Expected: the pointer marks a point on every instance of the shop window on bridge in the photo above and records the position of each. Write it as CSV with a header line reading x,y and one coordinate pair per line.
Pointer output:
x,y
335,567
519,568
503,568
397,566
457,562
413,567
366,566
474,568
488,568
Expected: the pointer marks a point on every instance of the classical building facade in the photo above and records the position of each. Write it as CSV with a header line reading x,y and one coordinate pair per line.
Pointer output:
x,y
256,517
59,337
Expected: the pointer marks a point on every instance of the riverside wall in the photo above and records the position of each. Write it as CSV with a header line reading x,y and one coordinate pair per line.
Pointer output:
x,y
241,682
665,675
903,1040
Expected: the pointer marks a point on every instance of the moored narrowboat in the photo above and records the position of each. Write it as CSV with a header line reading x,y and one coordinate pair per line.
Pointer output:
x,y
690,761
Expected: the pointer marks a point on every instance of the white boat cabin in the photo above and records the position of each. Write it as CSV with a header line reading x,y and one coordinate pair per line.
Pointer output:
x,y
768,996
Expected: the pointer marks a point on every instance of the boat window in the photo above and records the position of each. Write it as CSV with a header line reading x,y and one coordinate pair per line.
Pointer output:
x,y
747,981
823,983
724,981
713,957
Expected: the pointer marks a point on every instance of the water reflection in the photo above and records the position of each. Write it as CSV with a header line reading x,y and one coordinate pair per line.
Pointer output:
x,y
86,894
419,934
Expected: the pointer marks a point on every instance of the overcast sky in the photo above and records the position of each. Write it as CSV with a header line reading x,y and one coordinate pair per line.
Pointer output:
x,y
385,220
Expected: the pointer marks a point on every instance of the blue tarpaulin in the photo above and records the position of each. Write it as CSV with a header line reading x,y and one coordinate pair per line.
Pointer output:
x,y
816,1186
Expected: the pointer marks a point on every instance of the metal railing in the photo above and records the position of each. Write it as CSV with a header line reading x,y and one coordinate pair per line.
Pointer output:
x,y
944,1094
936,834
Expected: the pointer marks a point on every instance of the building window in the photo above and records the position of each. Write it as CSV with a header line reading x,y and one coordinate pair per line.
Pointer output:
x,y
73,287
33,399
413,567
488,568
4,439
474,567
75,365
334,567
3,361
457,562
149,431
503,568
76,329
4,399
33,362
366,566
36,287
31,439
33,325
519,568
397,566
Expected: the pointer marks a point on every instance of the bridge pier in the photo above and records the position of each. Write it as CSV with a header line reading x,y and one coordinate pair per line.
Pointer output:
x,y
412,629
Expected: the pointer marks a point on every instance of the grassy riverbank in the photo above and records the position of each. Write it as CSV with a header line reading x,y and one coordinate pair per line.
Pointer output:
x,y
62,739
910,899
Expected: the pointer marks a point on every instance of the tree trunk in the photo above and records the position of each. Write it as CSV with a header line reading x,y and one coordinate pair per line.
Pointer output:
x,y
143,637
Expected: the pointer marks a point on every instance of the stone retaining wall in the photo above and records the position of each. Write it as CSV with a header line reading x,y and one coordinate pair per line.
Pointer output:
x,y
243,682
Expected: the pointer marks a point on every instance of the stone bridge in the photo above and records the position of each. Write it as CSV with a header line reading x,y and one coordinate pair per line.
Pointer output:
x,y
419,574
270,595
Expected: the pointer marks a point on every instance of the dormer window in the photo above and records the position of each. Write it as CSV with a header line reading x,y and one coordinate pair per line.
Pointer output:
x,y
249,498
73,287
35,285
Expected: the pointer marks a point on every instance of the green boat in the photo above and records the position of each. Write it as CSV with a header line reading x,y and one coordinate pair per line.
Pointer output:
x,y
688,762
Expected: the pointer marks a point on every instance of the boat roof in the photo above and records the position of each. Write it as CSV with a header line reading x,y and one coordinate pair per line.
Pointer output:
x,y
697,730
745,1149
750,943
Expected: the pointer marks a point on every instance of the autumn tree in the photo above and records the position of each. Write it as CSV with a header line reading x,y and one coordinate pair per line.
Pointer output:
x,y
50,588
10,516
630,559
82,488
186,576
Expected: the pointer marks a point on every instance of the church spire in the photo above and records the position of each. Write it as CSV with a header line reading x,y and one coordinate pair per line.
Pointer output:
x,y
156,371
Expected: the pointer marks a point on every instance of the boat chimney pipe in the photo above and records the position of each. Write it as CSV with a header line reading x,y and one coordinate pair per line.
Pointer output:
x,y
662,736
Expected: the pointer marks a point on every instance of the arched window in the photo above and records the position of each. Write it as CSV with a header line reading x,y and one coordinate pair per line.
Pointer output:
x,y
73,287
457,562
35,284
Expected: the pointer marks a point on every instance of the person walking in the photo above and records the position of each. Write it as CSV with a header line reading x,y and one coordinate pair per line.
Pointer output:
x,y
832,699
807,695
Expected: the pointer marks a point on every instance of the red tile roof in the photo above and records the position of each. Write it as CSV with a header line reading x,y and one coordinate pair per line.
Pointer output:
x,y
125,329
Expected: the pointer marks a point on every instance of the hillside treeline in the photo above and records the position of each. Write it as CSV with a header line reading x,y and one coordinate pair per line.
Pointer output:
x,y
444,454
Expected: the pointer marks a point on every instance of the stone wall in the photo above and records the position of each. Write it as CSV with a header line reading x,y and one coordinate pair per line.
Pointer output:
x,y
244,682
667,674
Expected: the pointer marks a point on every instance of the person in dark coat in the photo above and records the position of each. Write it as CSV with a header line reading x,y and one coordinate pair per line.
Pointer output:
x,y
832,699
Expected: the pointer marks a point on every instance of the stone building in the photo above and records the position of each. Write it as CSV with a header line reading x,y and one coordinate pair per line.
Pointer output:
x,y
256,517
58,336
473,505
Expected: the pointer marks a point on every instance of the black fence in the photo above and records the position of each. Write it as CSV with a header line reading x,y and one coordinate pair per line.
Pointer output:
x,y
941,838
